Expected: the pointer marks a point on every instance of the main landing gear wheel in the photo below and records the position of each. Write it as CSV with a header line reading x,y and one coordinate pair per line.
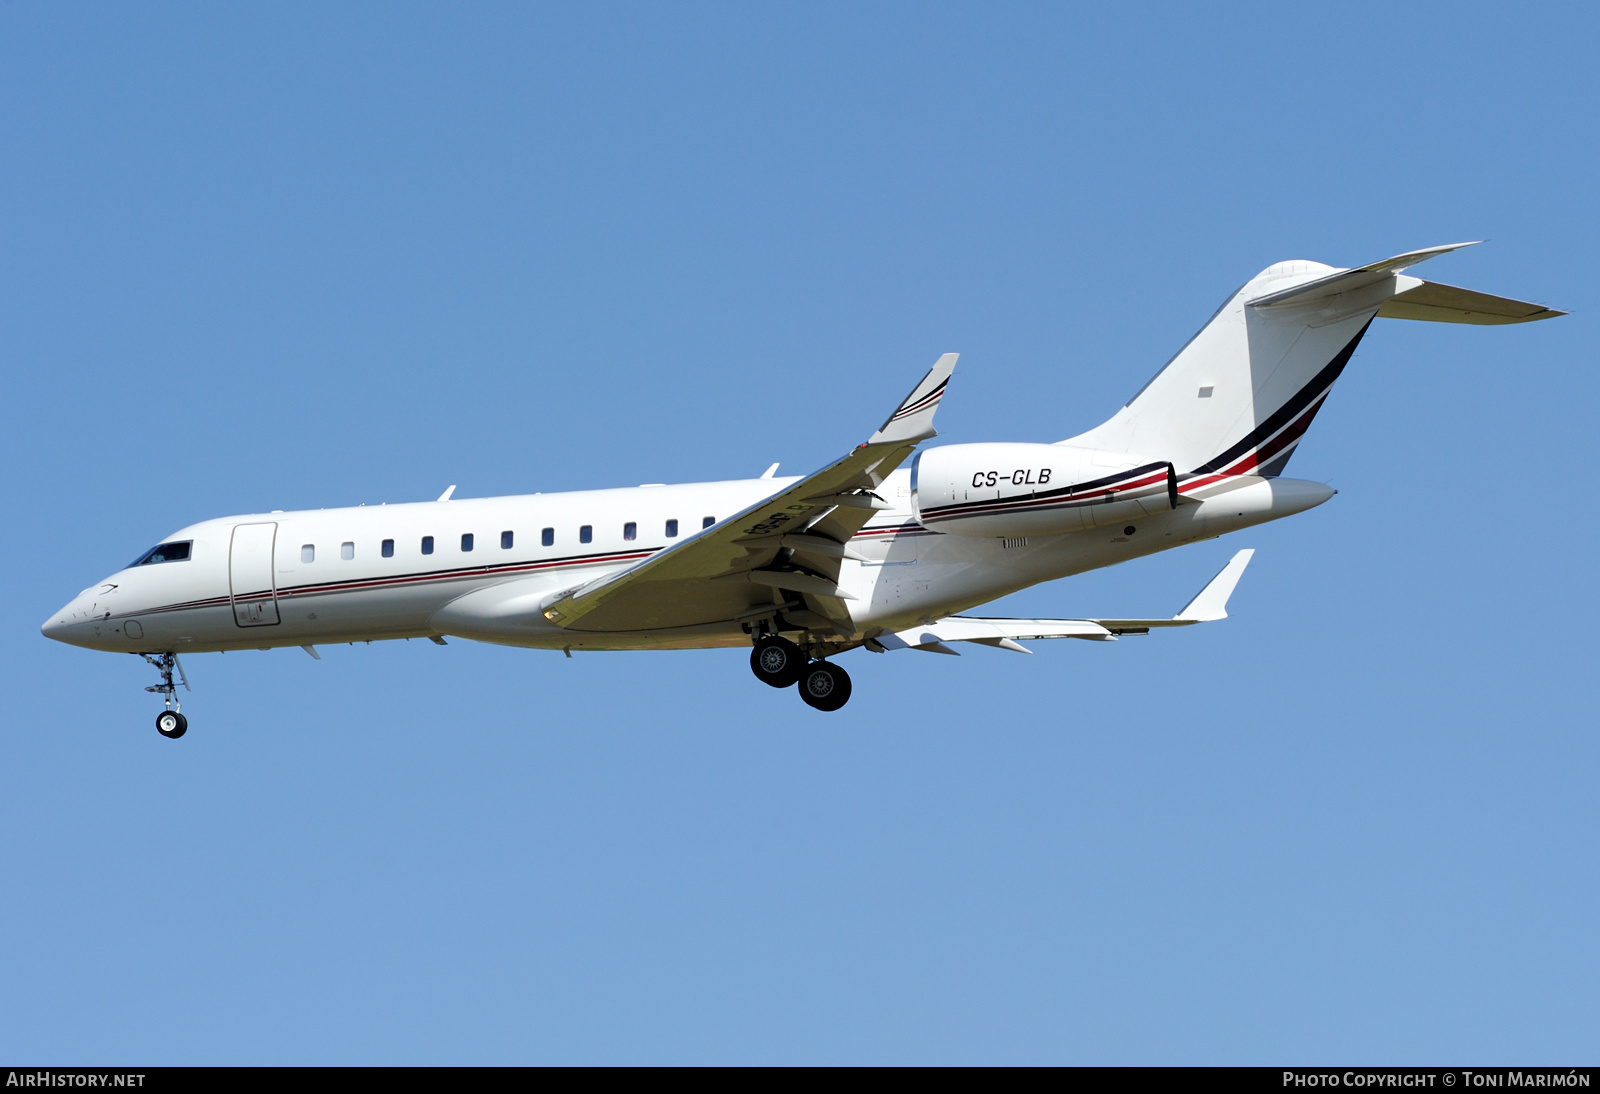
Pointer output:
x,y
777,661
824,686
169,723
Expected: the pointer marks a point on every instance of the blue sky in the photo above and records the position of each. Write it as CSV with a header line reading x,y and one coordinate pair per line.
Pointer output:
x,y
292,256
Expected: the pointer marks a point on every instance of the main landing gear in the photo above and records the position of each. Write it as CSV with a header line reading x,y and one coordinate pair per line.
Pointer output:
x,y
780,663
824,686
777,661
170,722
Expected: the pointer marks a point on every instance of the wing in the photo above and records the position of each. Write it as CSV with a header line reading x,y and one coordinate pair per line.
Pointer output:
x,y
780,555
1210,604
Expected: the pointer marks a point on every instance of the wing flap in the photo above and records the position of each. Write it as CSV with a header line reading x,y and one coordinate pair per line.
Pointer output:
x,y
966,628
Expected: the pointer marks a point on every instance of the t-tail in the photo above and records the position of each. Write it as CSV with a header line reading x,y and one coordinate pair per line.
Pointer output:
x,y
1226,412
1239,396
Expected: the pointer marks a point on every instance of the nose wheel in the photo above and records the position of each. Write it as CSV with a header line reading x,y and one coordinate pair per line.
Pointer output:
x,y
170,722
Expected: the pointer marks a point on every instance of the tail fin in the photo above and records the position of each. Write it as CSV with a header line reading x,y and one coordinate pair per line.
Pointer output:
x,y
1238,397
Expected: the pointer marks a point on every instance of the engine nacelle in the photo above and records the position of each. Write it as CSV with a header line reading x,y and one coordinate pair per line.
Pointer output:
x,y
1011,490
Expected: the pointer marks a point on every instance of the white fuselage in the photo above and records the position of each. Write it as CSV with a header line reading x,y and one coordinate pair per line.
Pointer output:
x,y
865,551
363,574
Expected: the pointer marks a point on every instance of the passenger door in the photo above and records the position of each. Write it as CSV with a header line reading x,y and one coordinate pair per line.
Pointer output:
x,y
255,600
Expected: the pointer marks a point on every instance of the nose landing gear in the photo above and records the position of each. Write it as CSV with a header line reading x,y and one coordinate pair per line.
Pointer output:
x,y
170,722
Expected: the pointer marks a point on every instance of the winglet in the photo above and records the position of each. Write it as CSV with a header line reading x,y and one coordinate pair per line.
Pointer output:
x,y
1212,603
912,421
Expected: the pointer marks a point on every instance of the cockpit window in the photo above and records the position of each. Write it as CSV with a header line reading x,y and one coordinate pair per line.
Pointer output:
x,y
167,552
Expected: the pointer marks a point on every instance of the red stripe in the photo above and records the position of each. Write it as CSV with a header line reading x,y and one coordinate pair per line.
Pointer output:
x,y
1288,435
408,579
1005,505
456,575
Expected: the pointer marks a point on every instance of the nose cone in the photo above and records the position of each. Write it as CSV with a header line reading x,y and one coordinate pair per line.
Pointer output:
x,y
59,625
73,623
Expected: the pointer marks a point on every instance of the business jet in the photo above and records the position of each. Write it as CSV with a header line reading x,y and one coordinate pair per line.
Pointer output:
x,y
865,552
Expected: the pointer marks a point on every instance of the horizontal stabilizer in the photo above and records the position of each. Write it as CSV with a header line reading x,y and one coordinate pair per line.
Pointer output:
x,y
1436,303
1345,281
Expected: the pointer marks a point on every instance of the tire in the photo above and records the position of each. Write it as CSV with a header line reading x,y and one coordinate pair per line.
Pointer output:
x,y
169,723
824,686
777,661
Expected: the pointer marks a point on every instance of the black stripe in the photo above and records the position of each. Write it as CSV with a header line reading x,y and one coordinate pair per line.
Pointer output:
x,y
1069,491
1287,412
464,571
908,406
419,577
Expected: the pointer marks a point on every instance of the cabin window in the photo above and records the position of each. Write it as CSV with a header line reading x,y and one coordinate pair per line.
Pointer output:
x,y
466,541
672,528
347,551
166,552
506,540
427,545
586,534
707,522
630,530
388,548
548,537
308,552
